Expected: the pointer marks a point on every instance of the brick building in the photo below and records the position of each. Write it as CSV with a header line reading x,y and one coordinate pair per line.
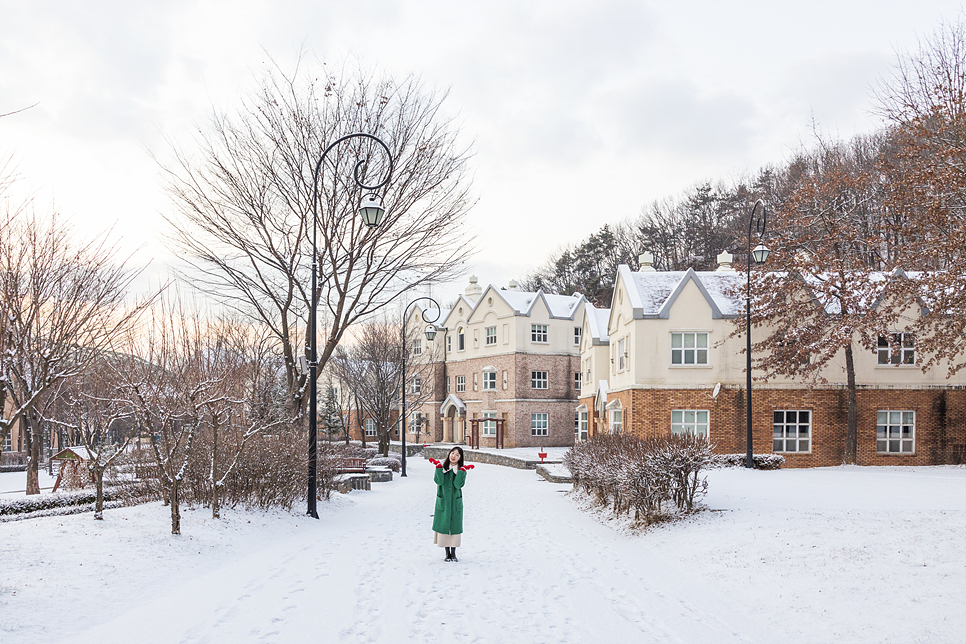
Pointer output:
x,y
673,368
504,354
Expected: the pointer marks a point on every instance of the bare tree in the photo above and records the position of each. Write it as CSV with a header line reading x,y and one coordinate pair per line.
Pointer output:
x,y
87,406
925,103
62,301
245,212
823,294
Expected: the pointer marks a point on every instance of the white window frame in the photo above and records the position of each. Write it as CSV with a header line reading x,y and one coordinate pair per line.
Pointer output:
x,y
578,332
539,333
8,442
691,421
489,381
540,380
698,355
417,347
906,357
622,354
490,336
370,427
489,429
539,423
582,422
449,343
895,432
578,381
791,433
615,420
460,384
460,339
416,386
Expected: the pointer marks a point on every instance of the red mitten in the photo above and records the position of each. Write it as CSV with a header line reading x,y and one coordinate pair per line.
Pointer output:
x,y
467,468
436,463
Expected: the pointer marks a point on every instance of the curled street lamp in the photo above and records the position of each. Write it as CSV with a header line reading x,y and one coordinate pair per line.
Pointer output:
x,y
372,214
430,335
759,255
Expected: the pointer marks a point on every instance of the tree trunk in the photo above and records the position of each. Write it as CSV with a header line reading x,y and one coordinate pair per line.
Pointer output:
x,y
215,513
384,442
175,508
34,440
852,426
99,502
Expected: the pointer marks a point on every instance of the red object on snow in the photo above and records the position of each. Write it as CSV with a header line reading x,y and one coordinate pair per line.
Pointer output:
x,y
542,456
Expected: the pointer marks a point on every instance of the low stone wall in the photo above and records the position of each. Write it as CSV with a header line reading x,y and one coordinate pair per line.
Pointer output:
x,y
475,456
553,478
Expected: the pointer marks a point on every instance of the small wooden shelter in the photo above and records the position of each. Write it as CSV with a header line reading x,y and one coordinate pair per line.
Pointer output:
x,y
73,463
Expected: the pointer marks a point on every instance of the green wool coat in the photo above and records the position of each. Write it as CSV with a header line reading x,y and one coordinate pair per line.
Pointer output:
x,y
448,517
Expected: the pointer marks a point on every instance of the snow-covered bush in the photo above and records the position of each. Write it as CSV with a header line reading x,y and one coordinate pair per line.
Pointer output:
x,y
393,462
761,461
118,493
654,477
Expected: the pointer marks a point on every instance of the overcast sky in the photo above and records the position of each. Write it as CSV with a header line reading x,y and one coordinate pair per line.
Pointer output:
x,y
579,112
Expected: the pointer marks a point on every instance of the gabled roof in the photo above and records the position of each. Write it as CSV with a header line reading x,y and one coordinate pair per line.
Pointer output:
x,y
597,320
653,293
461,300
452,400
523,302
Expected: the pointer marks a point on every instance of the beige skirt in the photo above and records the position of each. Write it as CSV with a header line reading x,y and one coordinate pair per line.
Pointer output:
x,y
446,540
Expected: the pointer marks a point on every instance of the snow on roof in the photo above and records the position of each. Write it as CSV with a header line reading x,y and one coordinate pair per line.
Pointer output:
x,y
597,321
522,302
77,451
652,293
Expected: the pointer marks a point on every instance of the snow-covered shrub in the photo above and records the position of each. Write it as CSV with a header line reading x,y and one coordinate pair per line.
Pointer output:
x,y
393,462
761,461
118,493
651,477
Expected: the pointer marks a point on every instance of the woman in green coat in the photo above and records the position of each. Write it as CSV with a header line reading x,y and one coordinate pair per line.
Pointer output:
x,y
448,517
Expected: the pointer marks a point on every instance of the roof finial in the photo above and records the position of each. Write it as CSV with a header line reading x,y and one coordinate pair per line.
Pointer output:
x,y
647,262
724,262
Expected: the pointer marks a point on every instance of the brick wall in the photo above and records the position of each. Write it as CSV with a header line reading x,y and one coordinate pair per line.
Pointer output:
x,y
940,429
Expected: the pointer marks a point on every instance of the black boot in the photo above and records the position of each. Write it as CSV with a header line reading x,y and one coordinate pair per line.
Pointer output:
x,y
449,555
452,556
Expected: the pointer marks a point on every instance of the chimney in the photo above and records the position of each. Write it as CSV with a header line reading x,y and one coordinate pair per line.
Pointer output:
x,y
724,263
473,292
647,262
514,286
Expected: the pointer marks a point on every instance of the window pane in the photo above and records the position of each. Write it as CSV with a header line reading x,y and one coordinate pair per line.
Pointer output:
x,y
893,446
882,417
907,417
802,431
790,431
907,446
689,416
907,431
790,446
777,431
779,417
677,416
894,417
880,431
688,340
803,416
880,446
676,341
777,446
702,340
689,356
702,356
802,446
790,416
703,417
676,356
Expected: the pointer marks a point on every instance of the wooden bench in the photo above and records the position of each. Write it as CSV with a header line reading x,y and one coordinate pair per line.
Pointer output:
x,y
351,465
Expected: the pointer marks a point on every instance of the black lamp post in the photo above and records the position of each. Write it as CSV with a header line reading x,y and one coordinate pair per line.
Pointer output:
x,y
372,213
759,254
430,335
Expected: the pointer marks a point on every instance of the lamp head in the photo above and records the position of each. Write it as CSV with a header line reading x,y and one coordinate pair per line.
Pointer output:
x,y
430,332
372,211
760,254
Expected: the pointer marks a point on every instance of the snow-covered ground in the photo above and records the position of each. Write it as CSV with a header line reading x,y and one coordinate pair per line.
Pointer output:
x,y
13,485
822,555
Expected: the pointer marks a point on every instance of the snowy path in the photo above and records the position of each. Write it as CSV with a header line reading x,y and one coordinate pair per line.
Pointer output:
x,y
533,569
858,555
